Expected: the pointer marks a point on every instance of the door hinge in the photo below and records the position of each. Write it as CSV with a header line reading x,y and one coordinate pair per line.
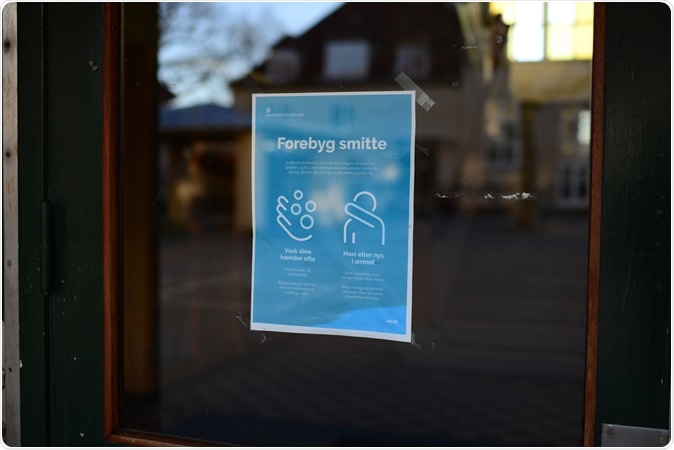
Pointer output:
x,y
47,241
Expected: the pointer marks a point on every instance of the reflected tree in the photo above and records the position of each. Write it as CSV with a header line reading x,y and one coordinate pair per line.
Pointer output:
x,y
203,46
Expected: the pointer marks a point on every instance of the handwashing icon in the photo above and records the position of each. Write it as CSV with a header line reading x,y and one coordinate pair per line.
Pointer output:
x,y
305,222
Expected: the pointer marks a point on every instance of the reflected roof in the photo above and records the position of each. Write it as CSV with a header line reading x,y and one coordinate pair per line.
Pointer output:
x,y
203,117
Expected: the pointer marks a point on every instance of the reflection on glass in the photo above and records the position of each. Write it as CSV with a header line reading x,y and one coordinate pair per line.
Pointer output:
x,y
500,229
552,30
561,13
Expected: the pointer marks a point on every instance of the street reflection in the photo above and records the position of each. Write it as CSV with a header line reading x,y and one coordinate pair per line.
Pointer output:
x,y
500,240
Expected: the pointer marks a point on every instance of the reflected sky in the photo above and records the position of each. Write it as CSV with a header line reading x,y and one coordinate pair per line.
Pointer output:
x,y
296,17
193,87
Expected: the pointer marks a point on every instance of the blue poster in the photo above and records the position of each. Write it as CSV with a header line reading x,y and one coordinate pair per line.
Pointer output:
x,y
333,180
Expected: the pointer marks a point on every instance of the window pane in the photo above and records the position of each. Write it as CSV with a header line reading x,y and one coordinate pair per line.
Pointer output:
x,y
529,13
584,12
583,135
561,13
347,60
413,59
284,65
523,47
583,42
527,34
527,43
500,220
560,43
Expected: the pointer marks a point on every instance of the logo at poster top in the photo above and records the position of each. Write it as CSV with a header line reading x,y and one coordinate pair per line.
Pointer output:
x,y
269,113
296,225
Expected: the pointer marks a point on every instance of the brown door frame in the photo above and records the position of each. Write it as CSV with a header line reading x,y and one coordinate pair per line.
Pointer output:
x,y
596,165
111,67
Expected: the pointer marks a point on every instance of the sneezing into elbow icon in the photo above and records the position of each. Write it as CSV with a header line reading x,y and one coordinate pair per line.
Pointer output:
x,y
296,220
362,220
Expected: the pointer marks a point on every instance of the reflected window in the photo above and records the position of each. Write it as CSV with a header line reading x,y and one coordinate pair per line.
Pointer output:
x,y
583,128
555,31
573,172
574,129
572,184
503,147
414,60
346,60
283,65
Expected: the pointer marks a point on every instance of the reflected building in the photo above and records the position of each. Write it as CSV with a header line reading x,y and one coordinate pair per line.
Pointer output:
x,y
509,87
204,160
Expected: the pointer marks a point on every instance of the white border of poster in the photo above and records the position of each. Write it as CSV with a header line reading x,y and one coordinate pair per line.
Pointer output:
x,y
333,213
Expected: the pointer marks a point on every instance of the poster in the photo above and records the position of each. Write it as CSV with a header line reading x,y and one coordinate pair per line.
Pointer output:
x,y
333,180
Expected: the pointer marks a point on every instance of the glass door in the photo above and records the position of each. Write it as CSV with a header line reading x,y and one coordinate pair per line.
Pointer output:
x,y
138,146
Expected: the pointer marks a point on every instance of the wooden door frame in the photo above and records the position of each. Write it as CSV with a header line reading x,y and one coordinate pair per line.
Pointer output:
x,y
110,146
594,251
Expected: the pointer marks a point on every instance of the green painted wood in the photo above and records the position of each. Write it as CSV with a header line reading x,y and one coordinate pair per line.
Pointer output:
x,y
74,109
633,379
60,139
32,311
